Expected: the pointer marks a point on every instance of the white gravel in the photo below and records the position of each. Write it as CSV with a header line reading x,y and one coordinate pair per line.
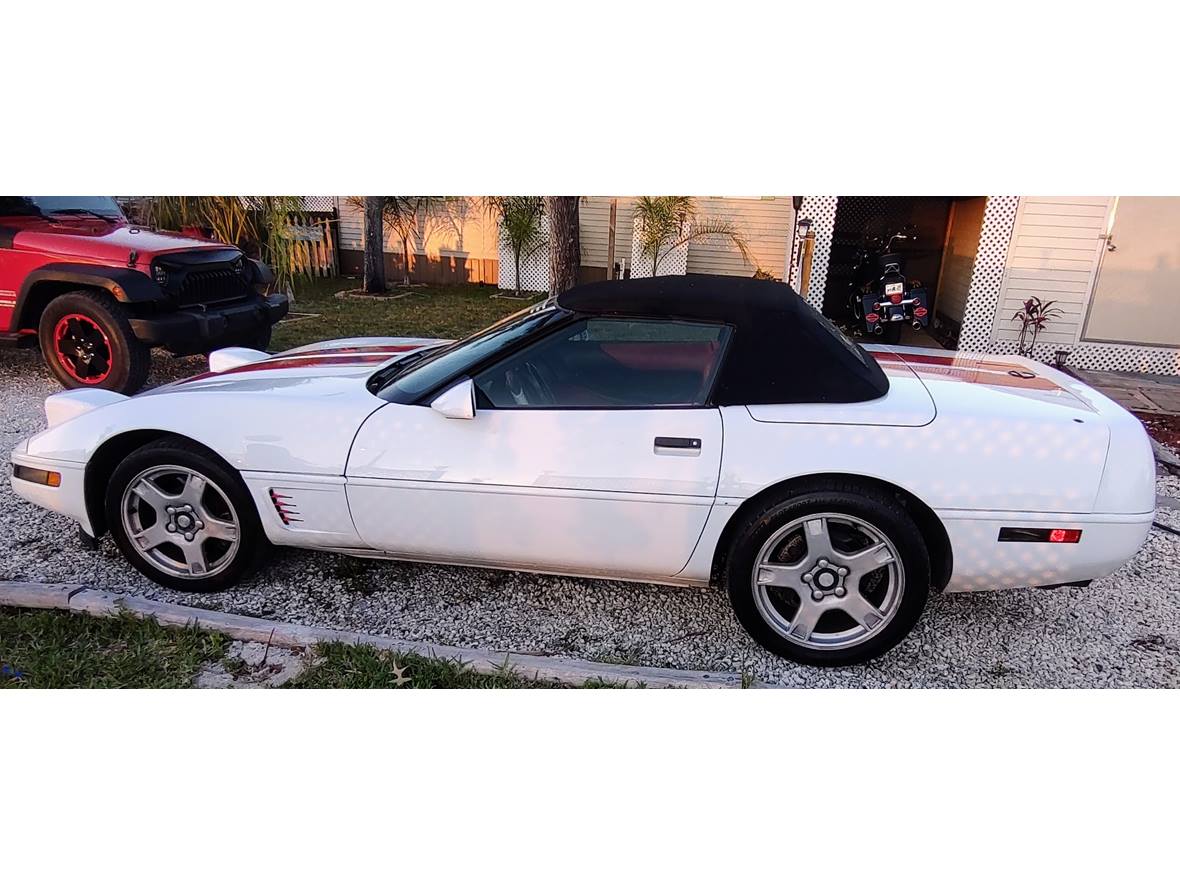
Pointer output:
x,y
1122,631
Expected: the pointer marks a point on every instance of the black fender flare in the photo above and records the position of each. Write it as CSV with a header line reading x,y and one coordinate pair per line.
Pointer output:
x,y
125,284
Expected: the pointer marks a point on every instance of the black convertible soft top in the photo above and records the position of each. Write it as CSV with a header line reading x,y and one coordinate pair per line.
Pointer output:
x,y
782,349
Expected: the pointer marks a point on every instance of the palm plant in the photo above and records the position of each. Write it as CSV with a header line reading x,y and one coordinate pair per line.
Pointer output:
x,y
1033,316
519,219
259,226
666,223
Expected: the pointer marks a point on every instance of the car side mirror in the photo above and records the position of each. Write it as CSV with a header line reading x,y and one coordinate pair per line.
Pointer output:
x,y
457,401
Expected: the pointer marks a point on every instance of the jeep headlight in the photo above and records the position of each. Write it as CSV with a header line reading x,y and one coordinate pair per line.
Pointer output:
x,y
239,265
160,275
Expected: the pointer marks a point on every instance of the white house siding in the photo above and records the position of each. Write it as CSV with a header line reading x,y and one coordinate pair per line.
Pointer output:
x,y
594,222
766,222
352,225
1053,255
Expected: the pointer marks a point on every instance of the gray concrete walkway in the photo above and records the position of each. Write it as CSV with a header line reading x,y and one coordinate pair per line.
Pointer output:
x,y
1159,394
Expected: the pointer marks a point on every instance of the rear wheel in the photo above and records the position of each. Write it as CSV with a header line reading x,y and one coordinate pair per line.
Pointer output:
x,y
87,342
832,576
891,333
183,518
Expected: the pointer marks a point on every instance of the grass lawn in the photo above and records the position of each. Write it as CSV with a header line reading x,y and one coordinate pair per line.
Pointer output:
x,y
55,649
426,311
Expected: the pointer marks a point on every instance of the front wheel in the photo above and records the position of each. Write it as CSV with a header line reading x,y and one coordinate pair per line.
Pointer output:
x,y
832,576
184,518
87,341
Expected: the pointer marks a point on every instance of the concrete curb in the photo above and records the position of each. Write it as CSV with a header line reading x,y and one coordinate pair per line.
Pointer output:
x,y
567,671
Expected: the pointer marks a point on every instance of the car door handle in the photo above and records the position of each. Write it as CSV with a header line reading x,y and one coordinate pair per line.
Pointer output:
x,y
679,444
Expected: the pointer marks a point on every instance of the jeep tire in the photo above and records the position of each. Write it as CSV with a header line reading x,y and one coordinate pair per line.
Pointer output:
x,y
87,341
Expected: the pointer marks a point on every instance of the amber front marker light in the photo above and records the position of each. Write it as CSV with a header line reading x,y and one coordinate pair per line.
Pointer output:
x,y
1041,536
32,474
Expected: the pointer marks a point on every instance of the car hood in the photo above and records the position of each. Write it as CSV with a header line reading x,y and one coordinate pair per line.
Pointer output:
x,y
328,366
293,412
96,240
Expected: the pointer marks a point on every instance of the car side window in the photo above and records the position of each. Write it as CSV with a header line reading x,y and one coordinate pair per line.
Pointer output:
x,y
605,363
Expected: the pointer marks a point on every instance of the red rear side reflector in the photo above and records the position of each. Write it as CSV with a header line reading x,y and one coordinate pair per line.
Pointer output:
x,y
1041,536
871,318
919,311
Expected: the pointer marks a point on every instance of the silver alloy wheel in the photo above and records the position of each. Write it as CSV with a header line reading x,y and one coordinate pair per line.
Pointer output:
x,y
802,573
180,521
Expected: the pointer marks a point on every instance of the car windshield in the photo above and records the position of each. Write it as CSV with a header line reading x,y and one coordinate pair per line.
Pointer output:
x,y
105,207
409,378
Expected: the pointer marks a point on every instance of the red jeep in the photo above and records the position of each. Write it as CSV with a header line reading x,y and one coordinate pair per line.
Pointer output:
x,y
98,292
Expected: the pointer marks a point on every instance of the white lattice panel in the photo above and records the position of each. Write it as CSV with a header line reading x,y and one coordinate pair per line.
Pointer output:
x,y
822,213
674,262
987,276
1103,357
534,267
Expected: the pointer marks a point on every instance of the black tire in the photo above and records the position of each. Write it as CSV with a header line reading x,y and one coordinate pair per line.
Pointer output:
x,y
864,503
116,359
891,333
241,561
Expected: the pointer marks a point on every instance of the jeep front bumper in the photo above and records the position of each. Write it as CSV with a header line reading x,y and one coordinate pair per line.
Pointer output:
x,y
200,329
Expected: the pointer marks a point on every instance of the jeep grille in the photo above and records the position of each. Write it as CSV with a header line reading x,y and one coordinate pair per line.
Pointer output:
x,y
203,286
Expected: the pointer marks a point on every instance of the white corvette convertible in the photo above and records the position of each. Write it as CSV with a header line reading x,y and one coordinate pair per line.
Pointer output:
x,y
680,430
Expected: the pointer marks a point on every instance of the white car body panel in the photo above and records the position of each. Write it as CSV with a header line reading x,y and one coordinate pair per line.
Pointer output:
x,y
586,481
585,492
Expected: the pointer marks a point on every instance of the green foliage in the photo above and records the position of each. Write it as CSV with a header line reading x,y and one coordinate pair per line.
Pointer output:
x,y
427,312
259,226
665,223
520,220
52,649
1033,316
57,649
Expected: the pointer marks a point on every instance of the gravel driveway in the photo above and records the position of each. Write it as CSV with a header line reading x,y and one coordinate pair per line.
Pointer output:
x,y
1121,631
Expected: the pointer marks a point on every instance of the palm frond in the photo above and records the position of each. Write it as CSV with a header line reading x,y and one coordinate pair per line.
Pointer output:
x,y
717,227
665,223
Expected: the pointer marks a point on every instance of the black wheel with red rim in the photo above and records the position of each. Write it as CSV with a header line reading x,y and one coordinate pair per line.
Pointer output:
x,y
82,348
87,341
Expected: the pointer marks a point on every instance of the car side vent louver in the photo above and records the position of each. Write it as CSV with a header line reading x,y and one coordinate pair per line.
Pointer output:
x,y
285,507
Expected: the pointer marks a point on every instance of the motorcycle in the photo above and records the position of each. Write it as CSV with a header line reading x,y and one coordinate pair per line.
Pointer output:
x,y
880,295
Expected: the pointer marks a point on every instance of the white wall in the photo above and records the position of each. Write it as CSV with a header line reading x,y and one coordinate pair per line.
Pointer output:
x,y
1054,253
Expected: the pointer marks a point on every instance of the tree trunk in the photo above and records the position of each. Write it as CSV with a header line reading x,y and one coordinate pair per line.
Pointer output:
x,y
374,246
565,248
406,260
516,259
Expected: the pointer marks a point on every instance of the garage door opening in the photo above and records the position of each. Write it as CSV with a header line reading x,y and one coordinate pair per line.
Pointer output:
x,y
940,255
